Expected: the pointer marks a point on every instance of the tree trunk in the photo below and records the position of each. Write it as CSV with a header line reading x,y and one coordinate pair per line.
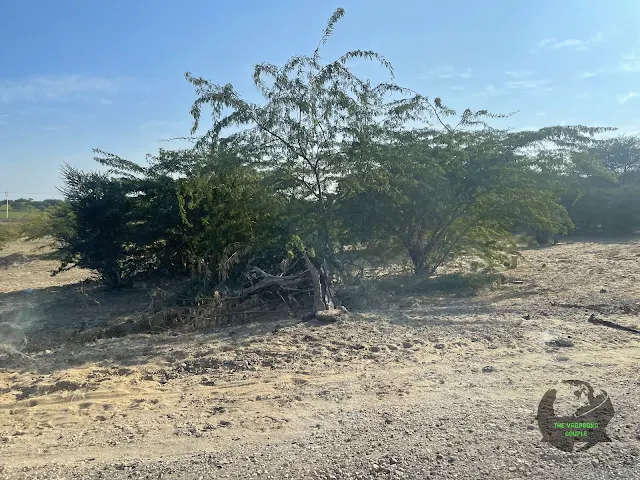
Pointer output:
x,y
322,295
420,264
325,283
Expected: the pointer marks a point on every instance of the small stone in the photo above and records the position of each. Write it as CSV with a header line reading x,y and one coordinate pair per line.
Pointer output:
x,y
595,462
531,427
374,349
603,290
488,369
407,344
561,342
439,346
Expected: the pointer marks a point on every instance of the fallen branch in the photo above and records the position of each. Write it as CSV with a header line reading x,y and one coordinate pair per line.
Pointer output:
x,y
606,323
269,280
600,308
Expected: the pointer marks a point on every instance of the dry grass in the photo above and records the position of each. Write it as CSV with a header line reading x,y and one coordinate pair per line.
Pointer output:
x,y
31,266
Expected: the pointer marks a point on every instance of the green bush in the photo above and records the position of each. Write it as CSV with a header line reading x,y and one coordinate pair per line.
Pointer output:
x,y
614,209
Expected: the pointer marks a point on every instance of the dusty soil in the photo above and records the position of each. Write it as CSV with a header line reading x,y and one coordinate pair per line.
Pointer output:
x,y
428,387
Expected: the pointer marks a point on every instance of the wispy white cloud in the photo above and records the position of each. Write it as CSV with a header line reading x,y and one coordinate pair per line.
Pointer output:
x,y
447,71
629,63
541,114
588,74
456,87
489,91
514,86
582,95
105,101
543,85
57,87
571,43
624,98
518,73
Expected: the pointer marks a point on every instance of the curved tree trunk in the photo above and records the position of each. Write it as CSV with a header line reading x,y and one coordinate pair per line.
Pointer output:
x,y
321,279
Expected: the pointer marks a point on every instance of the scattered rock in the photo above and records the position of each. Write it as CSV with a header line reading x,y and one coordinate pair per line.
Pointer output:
x,y
561,342
439,346
488,369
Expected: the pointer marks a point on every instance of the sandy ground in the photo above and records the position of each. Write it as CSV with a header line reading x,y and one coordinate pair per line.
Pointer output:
x,y
428,387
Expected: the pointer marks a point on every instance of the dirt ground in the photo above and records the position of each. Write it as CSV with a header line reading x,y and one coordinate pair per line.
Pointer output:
x,y
428,387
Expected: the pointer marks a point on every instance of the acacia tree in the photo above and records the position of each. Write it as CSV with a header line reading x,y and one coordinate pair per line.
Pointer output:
x,y
608,198
620,154
313,128
443,192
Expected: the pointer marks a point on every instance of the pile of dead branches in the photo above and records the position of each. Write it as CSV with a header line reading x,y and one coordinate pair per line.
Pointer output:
x,y
306,294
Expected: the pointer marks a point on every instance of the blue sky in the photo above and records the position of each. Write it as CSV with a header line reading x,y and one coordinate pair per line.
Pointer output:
x,y
77,75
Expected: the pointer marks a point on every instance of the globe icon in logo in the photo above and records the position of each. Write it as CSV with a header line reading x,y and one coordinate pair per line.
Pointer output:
x,y
573,412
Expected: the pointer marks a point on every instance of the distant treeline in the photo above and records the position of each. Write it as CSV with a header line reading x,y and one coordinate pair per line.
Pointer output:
x,y
30,205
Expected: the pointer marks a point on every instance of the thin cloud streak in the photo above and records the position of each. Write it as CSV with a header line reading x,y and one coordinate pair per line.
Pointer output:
x,y
57,87
518,73
622,99
447,71
629,63
527,84
572,43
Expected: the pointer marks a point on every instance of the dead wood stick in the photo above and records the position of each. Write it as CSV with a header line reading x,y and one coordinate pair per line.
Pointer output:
x,y
607,323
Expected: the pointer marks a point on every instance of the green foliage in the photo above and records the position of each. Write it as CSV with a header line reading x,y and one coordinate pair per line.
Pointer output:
x,y
31,205
8,233
314,127
187,212
607,198
101,236
340,169
227,220
613,209
620,154
444,193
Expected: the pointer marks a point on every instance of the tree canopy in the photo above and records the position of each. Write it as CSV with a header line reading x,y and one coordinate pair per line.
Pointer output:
x,y
327,163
